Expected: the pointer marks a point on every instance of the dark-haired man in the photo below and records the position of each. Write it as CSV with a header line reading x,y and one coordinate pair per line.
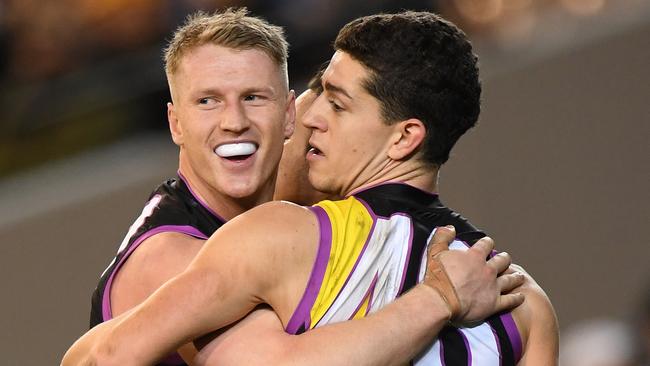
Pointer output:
x,y
384,124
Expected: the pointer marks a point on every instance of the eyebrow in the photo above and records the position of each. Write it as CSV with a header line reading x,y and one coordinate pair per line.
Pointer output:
x,y
260,89
335,89
251,90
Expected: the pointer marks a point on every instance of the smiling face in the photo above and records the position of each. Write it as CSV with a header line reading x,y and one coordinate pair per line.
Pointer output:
x,y
231,112
351,142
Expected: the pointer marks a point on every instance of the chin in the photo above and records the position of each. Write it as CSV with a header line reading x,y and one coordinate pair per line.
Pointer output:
x,y
323,186
239,188
241,192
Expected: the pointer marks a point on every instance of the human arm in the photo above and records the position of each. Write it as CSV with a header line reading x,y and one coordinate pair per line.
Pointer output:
x,y
391,336
155,261
391,332
538,325
263,255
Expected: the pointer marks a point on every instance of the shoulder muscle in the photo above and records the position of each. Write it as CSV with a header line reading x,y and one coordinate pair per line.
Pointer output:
x,y
538,324
267,252
154,262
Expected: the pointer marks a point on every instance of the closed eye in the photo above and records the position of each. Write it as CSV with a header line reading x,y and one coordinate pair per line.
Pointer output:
x,y
254,98
335,107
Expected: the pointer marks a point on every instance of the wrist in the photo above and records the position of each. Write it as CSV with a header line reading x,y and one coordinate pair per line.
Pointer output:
x,y
434,301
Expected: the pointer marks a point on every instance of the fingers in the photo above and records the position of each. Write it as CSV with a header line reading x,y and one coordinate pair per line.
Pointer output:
x,y
509,301
500,262
484,246
441,239
508,282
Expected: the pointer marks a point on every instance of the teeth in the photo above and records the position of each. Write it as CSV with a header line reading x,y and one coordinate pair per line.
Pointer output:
x,y
236,149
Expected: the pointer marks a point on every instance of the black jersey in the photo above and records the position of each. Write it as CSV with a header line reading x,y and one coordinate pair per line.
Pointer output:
x,y
172,207
373,248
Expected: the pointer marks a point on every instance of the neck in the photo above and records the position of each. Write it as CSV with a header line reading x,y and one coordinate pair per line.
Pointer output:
x,y
221,204
418,175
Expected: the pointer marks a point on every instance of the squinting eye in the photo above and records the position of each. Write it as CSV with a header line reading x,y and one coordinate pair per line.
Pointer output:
x,y
251,98
204,101
335,106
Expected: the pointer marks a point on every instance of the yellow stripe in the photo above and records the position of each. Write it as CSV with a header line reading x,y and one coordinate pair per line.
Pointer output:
x,y
363,309
351,224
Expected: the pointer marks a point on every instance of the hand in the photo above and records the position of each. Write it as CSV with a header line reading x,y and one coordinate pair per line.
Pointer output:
x,y
469,285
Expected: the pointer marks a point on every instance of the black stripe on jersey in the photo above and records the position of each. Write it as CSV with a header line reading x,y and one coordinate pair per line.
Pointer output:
x,y
427,212
178,206
417,250
454,351
507,354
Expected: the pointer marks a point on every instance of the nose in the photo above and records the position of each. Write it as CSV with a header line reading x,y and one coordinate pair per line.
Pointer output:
x,y
313,117
234,118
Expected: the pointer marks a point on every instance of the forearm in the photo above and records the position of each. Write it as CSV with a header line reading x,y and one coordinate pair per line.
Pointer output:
x,y
391,336
175,314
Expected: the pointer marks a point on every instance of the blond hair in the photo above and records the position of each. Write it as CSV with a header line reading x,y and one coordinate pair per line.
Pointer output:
x,y
232,28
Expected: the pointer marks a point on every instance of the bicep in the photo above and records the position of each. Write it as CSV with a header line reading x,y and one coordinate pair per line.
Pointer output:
x,y
156,260
263,256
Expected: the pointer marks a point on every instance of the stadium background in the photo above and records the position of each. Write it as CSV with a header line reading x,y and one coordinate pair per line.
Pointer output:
x,y
556,171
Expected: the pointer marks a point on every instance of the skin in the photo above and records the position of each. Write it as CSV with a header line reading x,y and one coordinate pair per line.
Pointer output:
x,y
260,337
222,96
293,181
332,120
208,110
265,255
219,95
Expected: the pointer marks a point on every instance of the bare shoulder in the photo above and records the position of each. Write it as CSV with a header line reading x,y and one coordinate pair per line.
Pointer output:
x,y
275,226
164,245
537,322
283,213
155,261
163,253
269,249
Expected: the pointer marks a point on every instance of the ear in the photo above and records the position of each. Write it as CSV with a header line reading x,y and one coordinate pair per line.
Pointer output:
x,y
290,115
174,125
408,137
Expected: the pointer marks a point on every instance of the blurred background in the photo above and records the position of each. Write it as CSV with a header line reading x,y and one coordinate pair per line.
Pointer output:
x,y
557,170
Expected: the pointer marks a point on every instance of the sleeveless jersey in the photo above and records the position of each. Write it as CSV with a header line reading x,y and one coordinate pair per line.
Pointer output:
x,y
172,207
372,249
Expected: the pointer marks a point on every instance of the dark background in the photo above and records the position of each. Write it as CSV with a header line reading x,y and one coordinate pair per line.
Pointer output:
x,y
556,171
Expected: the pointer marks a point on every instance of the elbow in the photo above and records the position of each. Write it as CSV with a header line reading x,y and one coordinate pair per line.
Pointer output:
x,y
75,358
80,354
94,356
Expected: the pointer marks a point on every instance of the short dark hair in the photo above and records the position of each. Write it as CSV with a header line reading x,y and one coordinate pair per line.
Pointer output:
x,y
421,66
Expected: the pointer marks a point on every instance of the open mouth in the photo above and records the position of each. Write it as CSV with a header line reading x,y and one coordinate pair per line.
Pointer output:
x,y
313,150
236,151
